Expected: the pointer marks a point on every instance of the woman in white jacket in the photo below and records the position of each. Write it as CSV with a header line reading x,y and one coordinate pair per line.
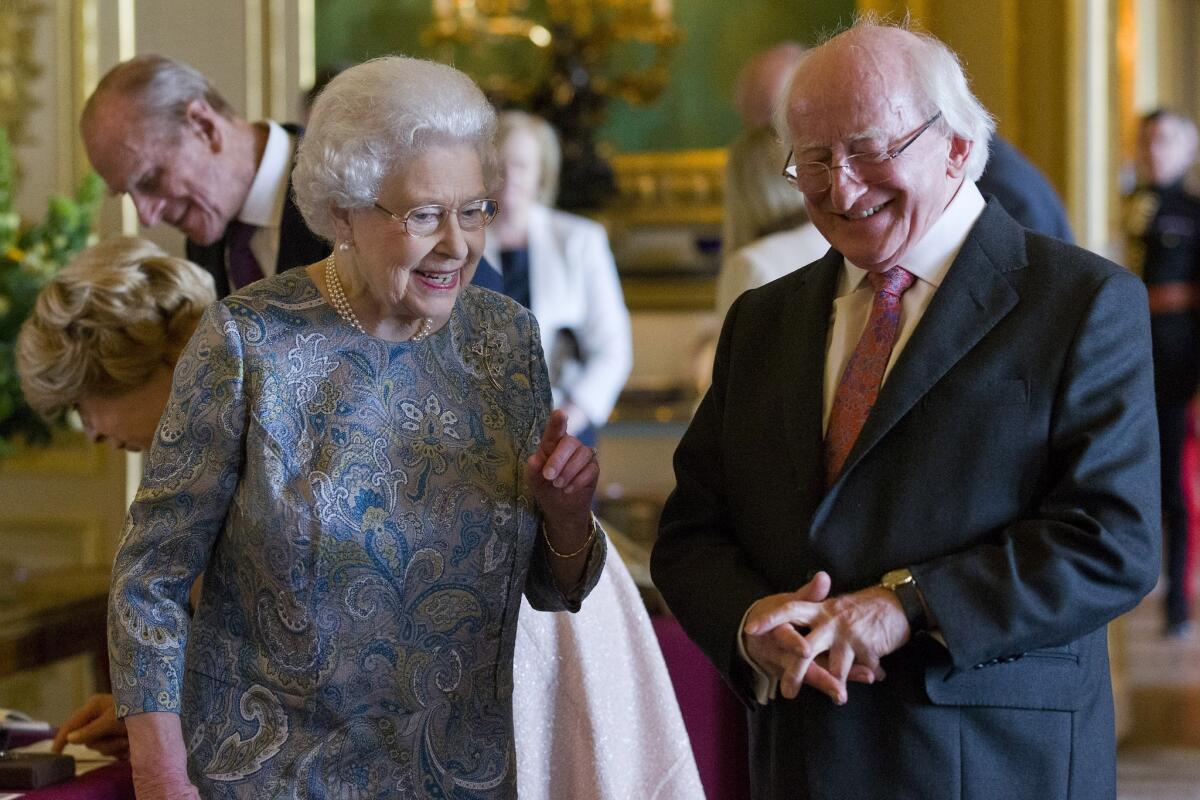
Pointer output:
x,y
560,266
594,710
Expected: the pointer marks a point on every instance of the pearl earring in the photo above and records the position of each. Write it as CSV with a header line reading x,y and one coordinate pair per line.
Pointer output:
x,y
344,246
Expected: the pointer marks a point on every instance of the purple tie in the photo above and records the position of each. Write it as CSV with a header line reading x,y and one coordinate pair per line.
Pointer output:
x,y
860,382
243,266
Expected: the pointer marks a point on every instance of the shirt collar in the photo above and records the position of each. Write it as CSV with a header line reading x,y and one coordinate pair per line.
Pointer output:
x,y
264,203
930,258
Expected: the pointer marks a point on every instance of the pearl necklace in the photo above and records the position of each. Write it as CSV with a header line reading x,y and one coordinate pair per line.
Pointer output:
x,y
341,304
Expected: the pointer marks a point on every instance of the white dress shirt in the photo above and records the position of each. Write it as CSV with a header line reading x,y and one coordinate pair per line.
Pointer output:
x,y
268,192
928,260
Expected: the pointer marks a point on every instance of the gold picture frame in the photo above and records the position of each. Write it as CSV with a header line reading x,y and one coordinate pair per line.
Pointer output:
x,y
665,227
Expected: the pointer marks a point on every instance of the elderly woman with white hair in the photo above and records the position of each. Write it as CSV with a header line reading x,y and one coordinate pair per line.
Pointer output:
x,y
362,460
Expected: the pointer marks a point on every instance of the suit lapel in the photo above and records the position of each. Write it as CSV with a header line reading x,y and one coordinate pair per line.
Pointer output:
x,y
972,299
802,371
293,230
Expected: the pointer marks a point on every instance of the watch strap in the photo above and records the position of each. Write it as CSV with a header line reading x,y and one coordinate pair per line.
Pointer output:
x,y
910,600
902,583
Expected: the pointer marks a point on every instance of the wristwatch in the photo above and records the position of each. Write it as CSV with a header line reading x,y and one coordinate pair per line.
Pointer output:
x,y
904,585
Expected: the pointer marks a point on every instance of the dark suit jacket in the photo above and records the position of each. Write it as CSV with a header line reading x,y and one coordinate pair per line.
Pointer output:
x,y
298,246
1024,191
1010,461
488,277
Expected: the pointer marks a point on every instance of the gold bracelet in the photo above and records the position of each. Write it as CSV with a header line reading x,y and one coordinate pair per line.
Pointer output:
x,y
591,538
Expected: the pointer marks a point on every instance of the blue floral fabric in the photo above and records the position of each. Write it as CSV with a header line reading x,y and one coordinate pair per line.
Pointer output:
x,y
359,512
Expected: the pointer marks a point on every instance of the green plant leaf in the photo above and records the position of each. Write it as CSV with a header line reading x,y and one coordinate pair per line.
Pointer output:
x,y
29,256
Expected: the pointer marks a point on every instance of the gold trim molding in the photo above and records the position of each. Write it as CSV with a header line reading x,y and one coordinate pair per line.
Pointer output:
x,y
306,49
18,67
668,188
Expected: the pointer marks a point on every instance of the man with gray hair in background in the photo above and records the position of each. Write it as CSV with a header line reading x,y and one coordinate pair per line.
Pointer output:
x,y
765,232
158,130
924,478
756,91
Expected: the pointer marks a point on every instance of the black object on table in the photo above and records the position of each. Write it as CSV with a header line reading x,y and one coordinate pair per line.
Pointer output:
x,y
32,770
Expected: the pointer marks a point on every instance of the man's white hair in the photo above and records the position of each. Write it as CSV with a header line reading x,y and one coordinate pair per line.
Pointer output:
x,y
374,118
161,90
937,79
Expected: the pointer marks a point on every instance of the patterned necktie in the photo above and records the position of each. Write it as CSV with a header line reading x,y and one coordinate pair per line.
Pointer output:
x,y
863,376
243,266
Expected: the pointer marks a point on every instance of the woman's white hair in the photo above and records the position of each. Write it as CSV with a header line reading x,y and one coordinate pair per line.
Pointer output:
x,y
374,118
938,80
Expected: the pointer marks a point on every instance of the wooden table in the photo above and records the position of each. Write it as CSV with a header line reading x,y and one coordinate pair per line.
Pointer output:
x,y
50,616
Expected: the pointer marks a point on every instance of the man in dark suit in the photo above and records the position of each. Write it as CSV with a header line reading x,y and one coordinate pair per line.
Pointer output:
x,y
1024,191
157,130
1162,225
943,433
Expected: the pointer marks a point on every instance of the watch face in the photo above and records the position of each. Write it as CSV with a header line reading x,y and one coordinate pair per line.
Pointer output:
x,y
896,577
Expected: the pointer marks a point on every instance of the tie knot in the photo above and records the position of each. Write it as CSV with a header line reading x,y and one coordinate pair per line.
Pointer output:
x,y
239,234
894,282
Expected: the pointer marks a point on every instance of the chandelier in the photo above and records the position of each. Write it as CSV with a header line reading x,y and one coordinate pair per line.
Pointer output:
x,y
564,60
616,48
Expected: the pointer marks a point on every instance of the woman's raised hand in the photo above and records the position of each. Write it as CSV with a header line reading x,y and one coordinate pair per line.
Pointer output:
x,y
562,475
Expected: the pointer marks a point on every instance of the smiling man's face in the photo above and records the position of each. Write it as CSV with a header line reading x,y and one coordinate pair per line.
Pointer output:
x,y
177,180
855,95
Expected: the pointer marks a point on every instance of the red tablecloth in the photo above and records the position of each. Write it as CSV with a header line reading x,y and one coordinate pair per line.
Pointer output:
x,y
715,720
1191,495
112,782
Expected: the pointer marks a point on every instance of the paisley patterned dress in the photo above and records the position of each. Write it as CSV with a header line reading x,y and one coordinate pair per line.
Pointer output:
x,y
359,513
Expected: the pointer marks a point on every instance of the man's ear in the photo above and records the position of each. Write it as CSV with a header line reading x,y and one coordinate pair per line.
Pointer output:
x,y
960,149
201,120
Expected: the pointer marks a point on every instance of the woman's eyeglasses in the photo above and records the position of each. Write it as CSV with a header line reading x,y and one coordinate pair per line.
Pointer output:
x,y
428,220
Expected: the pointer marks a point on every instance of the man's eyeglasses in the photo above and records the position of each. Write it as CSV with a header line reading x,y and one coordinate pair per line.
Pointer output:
x,y
428,220
814,177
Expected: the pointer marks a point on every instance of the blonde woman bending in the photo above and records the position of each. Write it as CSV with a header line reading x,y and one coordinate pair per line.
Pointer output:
x,y
104,336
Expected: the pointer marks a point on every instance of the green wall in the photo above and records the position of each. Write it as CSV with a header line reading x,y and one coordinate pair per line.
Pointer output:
x,y
695,110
